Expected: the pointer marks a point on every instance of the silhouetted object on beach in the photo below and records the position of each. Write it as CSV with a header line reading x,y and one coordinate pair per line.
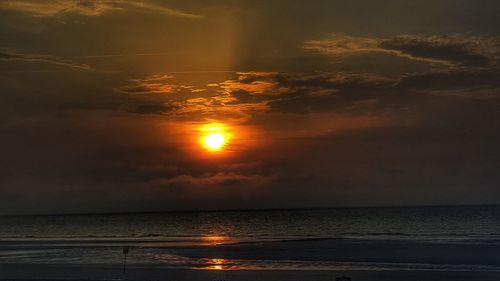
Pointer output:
x,y
125,253
343,278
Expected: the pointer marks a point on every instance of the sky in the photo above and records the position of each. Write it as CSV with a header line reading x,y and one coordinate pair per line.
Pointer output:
x,y
105,104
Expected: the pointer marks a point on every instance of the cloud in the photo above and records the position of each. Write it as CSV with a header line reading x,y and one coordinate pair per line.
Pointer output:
x,y
472,83
453,79
221,105
297,92
161,9
455,49
337,44
258,92
58,7
219,179
209,101
253,85
461,49
156,84
254,88
9,55
51,8
470,71
149,109
336,92
148,88
163,93
254,92
346,92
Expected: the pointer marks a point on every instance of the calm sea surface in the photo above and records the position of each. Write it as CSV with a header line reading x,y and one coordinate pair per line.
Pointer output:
x,y
97,239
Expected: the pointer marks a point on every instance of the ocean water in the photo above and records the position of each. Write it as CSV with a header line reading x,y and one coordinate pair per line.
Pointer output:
x,y
159,238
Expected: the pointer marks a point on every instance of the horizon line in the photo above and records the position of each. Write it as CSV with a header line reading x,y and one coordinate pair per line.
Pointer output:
x,y
245,210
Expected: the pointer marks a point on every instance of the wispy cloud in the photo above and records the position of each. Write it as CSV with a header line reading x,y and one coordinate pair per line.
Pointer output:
x,y
454,48
161,9
9,55
51,8
254,83
214,179
448,50
156,84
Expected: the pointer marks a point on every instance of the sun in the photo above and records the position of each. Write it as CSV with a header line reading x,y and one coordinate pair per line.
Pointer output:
x,y
214,141
214,136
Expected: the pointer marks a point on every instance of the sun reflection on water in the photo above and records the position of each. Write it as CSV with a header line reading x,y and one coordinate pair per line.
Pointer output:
x,y
217,264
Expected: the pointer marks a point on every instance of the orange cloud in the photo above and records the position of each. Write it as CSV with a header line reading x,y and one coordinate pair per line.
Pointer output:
x,y
156,84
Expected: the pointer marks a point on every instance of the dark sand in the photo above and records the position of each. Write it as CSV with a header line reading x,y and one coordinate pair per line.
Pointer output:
x,y
54,272
455,261
359,250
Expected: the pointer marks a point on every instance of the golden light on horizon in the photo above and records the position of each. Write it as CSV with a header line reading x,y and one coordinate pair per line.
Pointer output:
x,y
214,137
217,240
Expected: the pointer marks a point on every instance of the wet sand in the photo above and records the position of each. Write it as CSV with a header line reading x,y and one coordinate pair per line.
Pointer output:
x,y
361,259
56,272
486,253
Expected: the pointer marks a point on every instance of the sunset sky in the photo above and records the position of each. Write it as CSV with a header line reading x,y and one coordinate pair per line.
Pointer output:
x,y
106,105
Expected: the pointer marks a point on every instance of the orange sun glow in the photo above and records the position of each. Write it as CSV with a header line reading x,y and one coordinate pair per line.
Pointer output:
x,y
214,137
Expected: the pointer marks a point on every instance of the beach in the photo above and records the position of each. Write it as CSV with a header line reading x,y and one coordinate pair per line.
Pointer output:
x,y
320,259
365,244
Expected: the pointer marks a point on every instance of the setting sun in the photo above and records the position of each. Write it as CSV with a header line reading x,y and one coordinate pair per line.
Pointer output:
x,y
214,141
214,136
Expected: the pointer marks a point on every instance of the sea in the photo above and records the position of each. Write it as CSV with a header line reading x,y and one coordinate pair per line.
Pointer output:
x,y
157,239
